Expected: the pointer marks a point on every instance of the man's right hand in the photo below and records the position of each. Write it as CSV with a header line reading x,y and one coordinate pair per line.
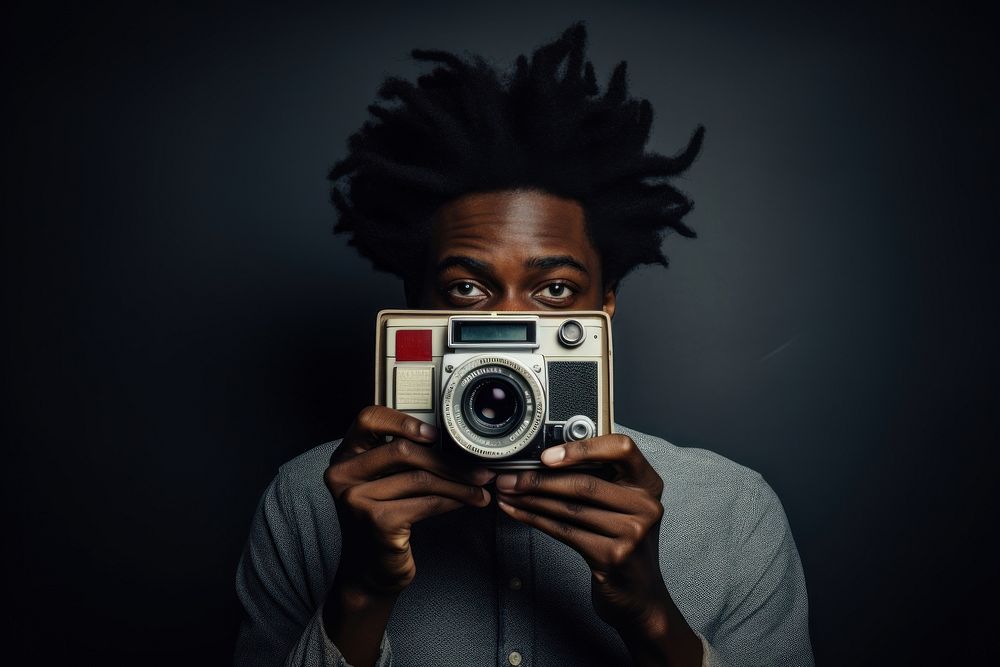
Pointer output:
x,y
382,488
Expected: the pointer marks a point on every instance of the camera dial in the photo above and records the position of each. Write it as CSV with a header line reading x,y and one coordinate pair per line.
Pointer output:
x,y
571,333
579,427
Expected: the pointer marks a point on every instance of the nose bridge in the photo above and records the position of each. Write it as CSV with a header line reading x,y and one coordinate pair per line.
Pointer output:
x,y
512,299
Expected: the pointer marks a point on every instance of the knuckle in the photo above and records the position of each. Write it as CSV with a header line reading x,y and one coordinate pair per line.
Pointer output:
x,y
331,479
585,485
655,485
656,511
403,449
651,508
566,528
368,416
582,448
636,528
525,503
619,553
420,478
350,497
336,485
573,507
608,559
411,427
625,445
528,481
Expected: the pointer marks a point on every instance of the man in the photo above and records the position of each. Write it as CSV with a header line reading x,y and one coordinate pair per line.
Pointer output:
x,y
532,193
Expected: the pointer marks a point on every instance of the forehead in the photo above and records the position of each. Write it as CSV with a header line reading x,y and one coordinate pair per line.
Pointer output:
x,y
512,224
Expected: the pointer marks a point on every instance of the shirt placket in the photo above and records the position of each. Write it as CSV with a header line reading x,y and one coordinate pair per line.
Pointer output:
x,y
516,587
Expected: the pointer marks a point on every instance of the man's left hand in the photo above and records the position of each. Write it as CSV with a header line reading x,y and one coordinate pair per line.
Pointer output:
x,y
614,524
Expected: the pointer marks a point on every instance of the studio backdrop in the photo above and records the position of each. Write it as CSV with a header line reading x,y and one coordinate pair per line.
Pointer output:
x,y
180,318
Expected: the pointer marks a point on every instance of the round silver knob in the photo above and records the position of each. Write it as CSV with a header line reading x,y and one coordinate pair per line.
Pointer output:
x,y
572,333
579,428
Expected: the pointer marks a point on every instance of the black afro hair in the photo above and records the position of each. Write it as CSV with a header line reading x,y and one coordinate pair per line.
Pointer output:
x,y
464,127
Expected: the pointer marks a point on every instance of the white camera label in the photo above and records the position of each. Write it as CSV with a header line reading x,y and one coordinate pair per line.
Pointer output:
x,y
414,388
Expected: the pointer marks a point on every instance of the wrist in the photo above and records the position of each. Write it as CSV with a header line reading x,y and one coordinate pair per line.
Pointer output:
x,y
662,637
654,625
355,598
355,619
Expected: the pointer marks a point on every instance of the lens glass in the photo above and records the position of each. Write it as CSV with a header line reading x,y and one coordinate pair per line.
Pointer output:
x,y
493,406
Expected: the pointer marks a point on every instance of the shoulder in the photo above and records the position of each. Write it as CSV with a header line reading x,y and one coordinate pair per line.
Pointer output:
x,y
715,510
299,482
301,469
723,527
299,513
293,547
705,479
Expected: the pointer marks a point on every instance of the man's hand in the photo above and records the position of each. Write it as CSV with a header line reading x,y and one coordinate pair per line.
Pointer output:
x,y
615,525
381,489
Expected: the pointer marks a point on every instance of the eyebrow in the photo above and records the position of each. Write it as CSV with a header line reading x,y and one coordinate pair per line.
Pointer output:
x,y
464,261
554,261
479,266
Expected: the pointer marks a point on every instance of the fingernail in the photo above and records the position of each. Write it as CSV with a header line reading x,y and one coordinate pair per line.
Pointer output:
x,y
428,431
553,455
506,482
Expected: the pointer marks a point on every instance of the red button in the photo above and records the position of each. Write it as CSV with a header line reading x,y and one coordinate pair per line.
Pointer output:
x,y
413,345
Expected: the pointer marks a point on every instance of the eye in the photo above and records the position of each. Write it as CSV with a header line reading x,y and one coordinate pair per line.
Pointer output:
x,y
465,289
556,292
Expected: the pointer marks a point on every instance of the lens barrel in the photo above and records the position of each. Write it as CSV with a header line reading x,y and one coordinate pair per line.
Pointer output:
x,y
493,406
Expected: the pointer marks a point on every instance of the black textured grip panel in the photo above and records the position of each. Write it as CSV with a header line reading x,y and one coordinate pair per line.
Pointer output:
x,y
572,389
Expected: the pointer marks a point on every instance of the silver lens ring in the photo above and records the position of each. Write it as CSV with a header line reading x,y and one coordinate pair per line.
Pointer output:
x,y
465,378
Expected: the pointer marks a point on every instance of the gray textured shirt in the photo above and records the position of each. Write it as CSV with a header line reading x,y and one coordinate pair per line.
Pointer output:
x,y
492,591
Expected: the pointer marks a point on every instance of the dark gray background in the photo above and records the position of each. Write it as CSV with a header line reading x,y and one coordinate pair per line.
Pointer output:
x,y
180,319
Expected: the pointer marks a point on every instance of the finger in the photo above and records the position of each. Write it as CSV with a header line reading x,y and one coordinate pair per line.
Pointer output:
x,y
615,448
408,511
393,519
595,520
589,545
375,422
581,487
415,483
398,455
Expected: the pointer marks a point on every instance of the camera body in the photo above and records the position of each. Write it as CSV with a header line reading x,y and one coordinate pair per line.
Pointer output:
x,y
500,386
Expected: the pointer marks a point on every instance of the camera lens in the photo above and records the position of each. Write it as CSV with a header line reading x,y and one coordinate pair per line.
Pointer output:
x,y
493,406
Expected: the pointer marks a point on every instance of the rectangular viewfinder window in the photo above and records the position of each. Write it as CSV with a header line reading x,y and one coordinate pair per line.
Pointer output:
x,y
494,332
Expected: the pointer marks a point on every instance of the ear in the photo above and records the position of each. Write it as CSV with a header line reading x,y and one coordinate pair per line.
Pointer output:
x,y
610,297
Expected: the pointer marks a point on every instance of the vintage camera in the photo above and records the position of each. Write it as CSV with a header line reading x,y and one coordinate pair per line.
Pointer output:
x,y
501,386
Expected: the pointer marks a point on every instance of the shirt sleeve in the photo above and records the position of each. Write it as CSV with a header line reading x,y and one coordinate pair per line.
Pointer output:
x,y
282,622
708,655
767,617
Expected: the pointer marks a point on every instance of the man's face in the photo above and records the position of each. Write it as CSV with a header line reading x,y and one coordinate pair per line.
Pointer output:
x,y
513,250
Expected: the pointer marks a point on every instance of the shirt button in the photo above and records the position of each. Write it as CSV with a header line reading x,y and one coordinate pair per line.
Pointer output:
x,y
514,583
514,658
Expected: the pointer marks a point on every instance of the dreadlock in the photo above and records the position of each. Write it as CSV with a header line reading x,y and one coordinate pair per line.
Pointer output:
x,y
464,128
